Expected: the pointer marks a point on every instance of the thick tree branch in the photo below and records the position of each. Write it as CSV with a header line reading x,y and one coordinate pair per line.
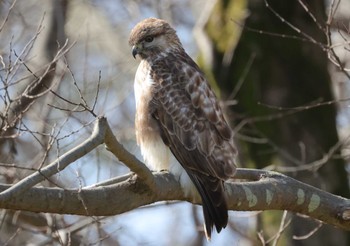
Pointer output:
x,y
275,191
96,138
101,134
128,159
272,191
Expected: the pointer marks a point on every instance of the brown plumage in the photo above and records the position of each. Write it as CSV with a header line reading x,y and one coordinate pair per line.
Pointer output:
x,y
177,110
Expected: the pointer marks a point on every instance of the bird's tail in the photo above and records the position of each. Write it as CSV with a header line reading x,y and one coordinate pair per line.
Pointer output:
x,y
214,204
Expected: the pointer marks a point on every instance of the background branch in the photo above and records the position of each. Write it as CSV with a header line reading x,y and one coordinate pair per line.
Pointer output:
x,y
59,164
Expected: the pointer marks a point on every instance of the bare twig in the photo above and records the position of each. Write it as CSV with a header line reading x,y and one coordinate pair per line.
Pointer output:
x,y
332,56
293,27
312,16
59,164
315,165
272,34
242,78
101,133
283,225
7,15
81,106
312,232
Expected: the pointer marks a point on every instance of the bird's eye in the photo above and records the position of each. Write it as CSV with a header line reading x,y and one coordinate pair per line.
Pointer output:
x,y
149,39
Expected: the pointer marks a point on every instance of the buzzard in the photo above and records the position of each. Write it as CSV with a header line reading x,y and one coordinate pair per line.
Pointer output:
x,y
179,124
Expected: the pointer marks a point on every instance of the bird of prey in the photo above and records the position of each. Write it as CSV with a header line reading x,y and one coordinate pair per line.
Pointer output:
x,y
179,124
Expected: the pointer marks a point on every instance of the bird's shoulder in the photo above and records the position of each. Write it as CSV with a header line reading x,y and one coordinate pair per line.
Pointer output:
x,y
180,86
189,115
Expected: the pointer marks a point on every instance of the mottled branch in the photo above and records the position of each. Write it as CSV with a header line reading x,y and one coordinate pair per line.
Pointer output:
x,y
275,191
271,191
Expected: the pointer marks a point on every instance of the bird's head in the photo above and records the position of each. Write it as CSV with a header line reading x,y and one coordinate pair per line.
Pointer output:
x,y
153,36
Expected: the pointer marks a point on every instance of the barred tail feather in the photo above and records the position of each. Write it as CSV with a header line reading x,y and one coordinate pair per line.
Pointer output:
x,y
213,201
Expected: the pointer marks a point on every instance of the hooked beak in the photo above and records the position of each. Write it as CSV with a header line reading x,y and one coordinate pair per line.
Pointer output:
x,y
134,51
